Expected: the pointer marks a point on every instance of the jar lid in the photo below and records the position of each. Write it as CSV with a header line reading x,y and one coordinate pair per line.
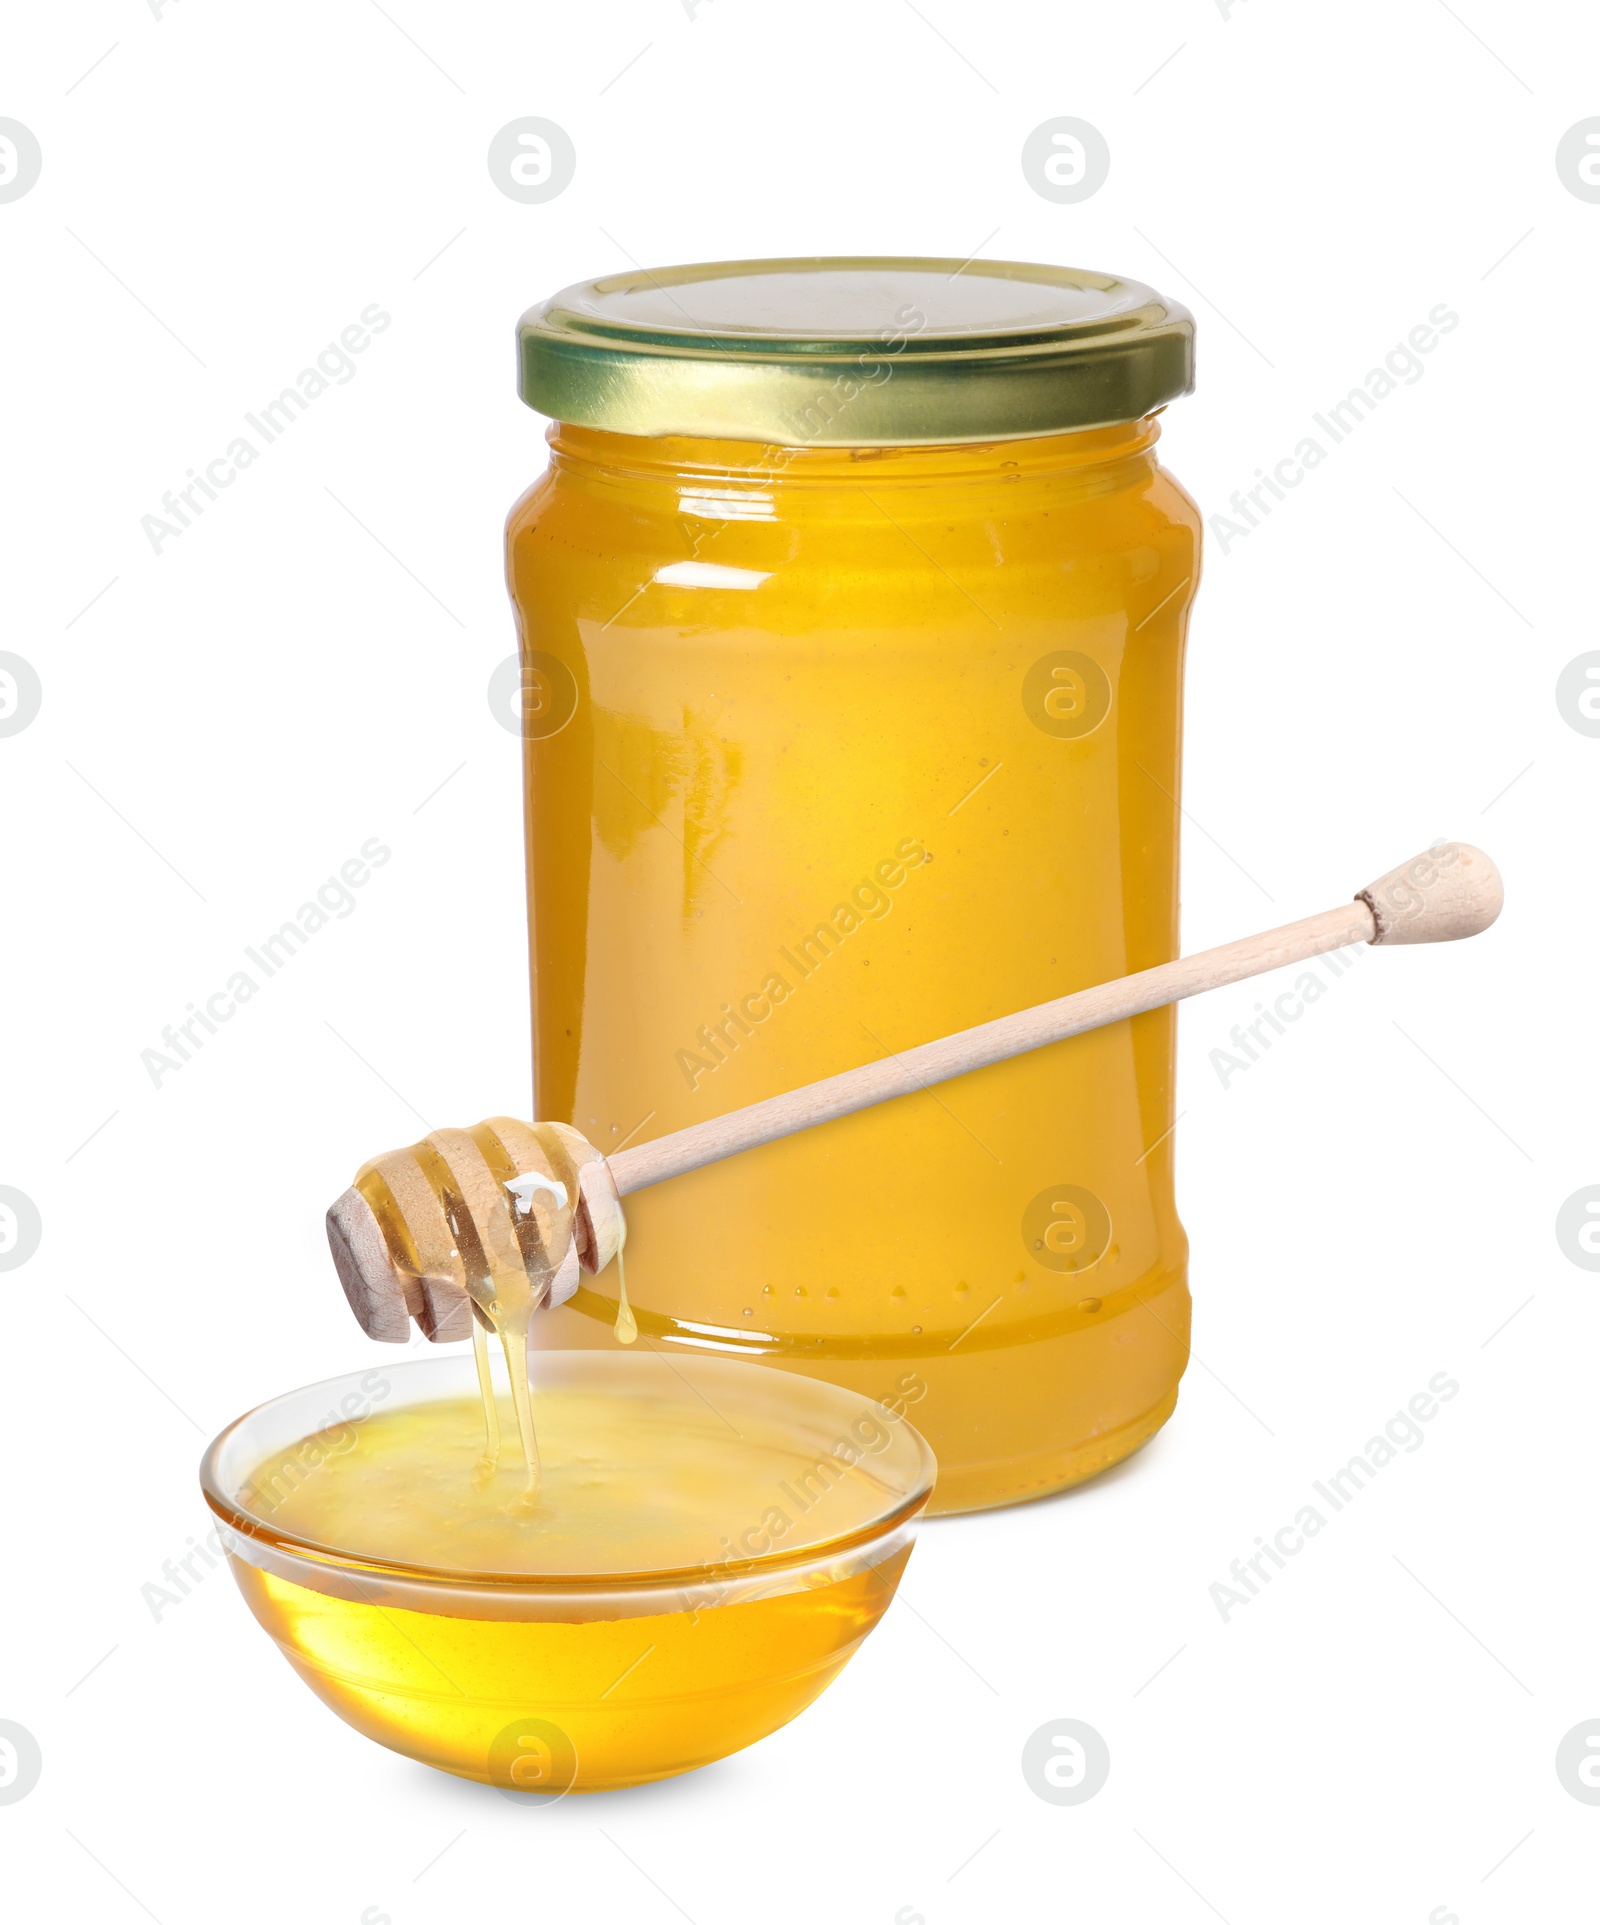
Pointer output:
x,y
869,352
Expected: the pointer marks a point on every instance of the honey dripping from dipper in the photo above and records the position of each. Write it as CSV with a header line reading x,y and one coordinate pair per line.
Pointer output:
x,y
484,1227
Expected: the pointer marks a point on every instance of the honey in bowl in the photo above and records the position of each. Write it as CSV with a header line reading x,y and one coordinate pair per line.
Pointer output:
x,y
710,1543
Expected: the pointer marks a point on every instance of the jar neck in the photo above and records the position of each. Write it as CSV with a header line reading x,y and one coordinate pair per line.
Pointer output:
x,y
674,461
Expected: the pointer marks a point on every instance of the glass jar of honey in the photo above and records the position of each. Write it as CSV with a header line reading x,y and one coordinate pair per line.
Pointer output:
x,y
852,610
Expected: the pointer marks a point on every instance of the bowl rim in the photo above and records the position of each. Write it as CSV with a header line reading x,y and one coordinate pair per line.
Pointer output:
x,y
887,1524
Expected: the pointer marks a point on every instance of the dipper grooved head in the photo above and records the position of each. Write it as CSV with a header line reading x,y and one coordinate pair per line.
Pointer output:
x,y
1449,891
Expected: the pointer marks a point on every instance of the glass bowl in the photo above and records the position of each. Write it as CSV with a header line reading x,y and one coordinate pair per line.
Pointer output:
x,y
580,1675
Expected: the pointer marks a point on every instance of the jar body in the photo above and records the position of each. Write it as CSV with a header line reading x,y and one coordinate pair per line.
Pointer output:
x,y
830,752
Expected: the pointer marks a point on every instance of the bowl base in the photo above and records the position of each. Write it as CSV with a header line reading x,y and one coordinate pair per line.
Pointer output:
x,y
551,1707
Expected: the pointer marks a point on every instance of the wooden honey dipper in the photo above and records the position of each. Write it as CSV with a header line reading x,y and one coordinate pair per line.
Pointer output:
x,y
423,1228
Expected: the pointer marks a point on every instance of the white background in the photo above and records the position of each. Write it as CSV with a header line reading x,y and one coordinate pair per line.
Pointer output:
x,y
224,723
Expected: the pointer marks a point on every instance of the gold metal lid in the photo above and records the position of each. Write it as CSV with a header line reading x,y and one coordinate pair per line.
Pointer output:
x,y
869,352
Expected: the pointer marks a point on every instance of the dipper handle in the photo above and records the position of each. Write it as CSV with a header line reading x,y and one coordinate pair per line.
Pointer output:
x,y
446,1221
1449,891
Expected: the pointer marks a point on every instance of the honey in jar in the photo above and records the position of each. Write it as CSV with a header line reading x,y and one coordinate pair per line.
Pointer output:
x,y
852,609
